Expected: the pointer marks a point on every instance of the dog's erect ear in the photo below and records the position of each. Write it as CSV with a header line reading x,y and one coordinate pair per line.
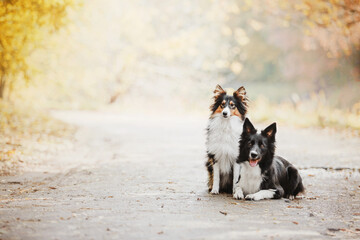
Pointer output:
x,y
270,131
218,91
240,94
248,127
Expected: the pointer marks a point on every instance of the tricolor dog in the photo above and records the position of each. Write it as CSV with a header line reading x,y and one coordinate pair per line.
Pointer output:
x,y
223,132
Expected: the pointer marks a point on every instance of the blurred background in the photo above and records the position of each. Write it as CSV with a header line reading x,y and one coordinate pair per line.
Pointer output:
x,y
299,60
300,57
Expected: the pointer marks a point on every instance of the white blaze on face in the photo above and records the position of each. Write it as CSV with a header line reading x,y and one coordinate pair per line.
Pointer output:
x,y
227,111
253,156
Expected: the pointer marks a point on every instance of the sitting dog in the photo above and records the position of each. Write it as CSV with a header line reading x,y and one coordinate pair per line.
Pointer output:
x,y
261,174
223,132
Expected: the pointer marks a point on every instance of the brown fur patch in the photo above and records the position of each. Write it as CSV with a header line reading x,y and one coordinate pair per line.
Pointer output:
x,y
235,112
210,164
231,104
218,91
211,180
241,94
219,109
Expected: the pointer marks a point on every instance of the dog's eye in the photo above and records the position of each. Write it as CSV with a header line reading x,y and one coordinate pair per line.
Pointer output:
x,y
261,144
232,105
251,143
222,105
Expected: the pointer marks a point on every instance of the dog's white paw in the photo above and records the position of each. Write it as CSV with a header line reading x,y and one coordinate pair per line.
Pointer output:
x,y
254,197
291,197
263,194
215,191
238,194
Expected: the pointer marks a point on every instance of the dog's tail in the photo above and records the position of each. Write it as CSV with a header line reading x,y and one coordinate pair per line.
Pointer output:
x,y
295,182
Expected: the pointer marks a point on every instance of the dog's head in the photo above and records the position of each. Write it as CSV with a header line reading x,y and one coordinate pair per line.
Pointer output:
x,y
228,103
255,147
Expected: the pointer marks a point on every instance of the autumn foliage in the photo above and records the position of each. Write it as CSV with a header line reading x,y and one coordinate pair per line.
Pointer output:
x,y
335,24
24,25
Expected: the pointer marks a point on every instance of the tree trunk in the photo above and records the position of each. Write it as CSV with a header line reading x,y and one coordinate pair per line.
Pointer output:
x,y
2,86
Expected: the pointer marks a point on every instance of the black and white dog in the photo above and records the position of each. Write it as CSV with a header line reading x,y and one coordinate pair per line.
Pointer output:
x,y
223,133
261,175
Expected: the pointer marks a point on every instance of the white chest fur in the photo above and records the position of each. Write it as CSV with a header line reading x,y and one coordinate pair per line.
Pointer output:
x,y
250,178
223,140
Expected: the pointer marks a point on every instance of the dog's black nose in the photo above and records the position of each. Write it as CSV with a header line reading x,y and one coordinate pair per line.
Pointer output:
x,y
225,113
253,155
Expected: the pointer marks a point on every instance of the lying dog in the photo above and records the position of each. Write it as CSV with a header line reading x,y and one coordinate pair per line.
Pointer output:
x,y
261,175
223,133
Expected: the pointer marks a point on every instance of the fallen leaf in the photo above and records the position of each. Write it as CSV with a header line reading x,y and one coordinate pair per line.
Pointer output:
x,y
294,207
295,223
14,182
311,198
225,213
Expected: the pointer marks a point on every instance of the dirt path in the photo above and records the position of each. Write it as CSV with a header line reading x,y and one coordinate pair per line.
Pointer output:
x,y
136,178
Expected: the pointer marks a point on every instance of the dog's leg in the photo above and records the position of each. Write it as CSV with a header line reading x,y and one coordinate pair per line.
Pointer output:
x,y
238,193
209,165
236,177
294,181
262,194
216,179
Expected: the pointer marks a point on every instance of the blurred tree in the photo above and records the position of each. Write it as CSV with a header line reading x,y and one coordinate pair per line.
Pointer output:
x,y
24,25
268,38
335,23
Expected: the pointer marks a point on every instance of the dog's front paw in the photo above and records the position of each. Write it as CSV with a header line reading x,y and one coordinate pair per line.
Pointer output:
x,y
215,191
238,194
263,194
252,197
